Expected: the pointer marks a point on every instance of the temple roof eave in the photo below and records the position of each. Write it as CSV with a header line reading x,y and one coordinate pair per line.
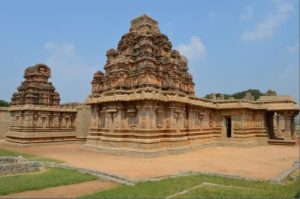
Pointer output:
x,y
166,96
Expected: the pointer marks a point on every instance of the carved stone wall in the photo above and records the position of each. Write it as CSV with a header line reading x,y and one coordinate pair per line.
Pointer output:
x,y
36,124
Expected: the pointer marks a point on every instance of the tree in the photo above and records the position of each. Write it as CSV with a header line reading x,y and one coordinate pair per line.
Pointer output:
x,y
4,103
239,95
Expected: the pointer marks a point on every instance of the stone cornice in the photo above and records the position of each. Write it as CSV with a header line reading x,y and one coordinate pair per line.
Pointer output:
x,y
167,96
41,108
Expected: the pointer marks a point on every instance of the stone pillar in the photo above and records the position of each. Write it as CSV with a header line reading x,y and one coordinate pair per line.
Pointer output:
x,y
131,117
73,120
159,117
95,117
112,118
40,121
27,122
102,118
122,113
141,115
149,109
288,125
55,120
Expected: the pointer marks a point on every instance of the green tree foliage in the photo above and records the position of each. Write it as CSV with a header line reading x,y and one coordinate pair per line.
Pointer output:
x,y
240,95
4,103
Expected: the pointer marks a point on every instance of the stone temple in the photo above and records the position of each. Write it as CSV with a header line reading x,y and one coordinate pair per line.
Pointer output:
x,y
36,116
144,103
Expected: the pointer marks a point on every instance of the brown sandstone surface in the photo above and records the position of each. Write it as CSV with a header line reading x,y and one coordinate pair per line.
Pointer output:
x,y
66,191
261,162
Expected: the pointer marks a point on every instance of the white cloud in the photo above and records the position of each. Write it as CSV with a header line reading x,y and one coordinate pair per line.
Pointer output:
x,y
294,47
70,74
248,13
266,28
194,50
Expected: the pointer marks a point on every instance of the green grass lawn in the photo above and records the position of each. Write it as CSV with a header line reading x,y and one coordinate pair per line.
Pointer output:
x,y
33,181
240,189
5,152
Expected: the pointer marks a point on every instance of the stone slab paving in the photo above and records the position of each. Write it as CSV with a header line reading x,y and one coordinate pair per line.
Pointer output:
x,y
65,191
260,162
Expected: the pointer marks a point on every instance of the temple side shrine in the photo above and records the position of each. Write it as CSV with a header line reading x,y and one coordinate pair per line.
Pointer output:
x,y
36,116
144,103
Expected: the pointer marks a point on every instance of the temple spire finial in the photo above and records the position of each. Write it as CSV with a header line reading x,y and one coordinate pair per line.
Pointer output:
x,y
144,25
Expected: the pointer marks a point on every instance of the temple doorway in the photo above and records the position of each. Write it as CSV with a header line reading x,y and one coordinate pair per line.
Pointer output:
x,y
228,127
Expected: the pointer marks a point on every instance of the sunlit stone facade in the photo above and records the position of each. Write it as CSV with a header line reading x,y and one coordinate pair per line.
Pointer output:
x,y
144,102
36,116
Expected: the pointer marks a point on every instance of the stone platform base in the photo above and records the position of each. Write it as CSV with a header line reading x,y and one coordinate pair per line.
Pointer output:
x,y
282,142
45,137
171,150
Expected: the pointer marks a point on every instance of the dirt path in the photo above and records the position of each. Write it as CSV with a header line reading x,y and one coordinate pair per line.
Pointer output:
x,y
262,162
65,191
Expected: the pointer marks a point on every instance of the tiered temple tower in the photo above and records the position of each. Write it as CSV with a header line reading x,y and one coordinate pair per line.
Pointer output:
x,y
36,115
36,89
144,59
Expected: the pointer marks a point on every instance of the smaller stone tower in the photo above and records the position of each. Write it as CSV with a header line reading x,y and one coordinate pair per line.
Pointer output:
x,y
36,115
36,89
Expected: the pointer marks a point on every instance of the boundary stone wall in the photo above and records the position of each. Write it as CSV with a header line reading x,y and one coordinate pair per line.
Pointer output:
x,y
4,121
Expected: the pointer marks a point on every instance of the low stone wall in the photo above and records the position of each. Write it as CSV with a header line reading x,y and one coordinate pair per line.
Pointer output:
x,y
83,121
4,121
15,165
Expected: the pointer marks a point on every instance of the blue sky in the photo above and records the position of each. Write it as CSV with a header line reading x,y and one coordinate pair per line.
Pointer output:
x,y
231,45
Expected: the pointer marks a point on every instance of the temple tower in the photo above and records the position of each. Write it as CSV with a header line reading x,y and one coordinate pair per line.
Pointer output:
x,y
138,102
36,115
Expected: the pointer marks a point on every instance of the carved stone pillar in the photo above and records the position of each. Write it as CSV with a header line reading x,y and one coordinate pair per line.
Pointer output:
x,y
141,115
40,121
102,118
95,117
131,117
159,117
55,119
288,125
27,122
149,109
173,117
112,117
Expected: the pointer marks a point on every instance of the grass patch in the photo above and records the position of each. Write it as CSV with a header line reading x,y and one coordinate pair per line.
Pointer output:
x,y
5,152
163,188
34,181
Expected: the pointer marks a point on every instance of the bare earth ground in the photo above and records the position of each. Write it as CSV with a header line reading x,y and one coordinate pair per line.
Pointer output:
x,y
66,191
261,162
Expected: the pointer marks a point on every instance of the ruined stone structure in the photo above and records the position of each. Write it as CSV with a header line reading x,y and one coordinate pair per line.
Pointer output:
x,y
144,103
36,116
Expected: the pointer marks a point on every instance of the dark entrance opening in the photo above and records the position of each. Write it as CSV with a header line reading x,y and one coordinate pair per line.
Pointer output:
x,y
228,127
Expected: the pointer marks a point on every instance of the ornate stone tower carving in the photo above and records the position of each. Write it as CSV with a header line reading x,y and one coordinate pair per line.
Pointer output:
x,y
36,116
144,58
36,89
